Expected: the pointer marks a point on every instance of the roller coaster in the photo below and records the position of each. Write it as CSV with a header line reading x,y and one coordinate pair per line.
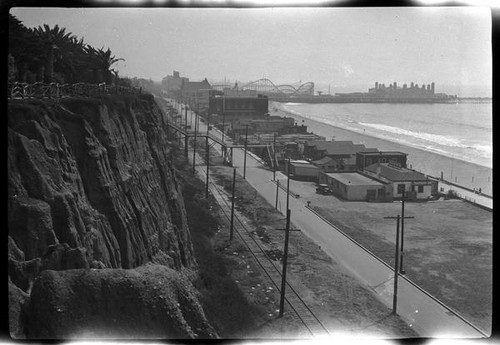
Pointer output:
x,y
267,87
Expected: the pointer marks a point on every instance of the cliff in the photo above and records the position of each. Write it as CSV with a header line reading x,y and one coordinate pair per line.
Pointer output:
x,y
91,186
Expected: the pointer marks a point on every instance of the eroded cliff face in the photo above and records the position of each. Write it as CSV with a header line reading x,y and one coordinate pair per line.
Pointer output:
x,y
91,185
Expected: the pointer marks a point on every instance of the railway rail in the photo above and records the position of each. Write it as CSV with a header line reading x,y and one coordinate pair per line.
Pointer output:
x,y
295,306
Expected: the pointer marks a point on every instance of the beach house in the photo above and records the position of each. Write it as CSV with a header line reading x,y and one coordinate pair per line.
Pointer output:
x,y
342,152
416,185
366,158
355,186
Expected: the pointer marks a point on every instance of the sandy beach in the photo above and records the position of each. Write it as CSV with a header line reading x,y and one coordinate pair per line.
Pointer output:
x,y
457,171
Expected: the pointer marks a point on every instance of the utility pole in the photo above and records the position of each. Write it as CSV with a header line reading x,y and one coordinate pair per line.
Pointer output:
x,y
185,134
208,123
402,270
231,228
208,165
396,265
288,185
194,144
223,127
285,259
245,157
277,190
223,116
191,117
169,112
274,157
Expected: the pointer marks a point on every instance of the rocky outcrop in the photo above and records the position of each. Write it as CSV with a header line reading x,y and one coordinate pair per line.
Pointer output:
x,y
151,301
91,185
95,175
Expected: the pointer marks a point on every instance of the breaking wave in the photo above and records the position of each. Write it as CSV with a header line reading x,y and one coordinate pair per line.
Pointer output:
x,y
435,138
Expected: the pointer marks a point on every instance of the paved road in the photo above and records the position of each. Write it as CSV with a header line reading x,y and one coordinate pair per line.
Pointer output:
x,y
426,315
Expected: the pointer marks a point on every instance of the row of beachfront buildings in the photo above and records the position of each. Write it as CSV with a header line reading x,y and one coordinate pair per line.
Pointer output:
x,y
352,171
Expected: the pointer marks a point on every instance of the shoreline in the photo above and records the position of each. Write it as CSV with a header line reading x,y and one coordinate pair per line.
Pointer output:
x,y
463,173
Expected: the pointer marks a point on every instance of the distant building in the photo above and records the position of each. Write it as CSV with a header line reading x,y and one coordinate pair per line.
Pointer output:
x,y
415,184
354,186
395,93
172,84
364,158
233,108
329,164
316,150
302,170
196,93
239,93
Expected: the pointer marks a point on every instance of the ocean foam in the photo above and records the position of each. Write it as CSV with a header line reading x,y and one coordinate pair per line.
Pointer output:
x,y
435,138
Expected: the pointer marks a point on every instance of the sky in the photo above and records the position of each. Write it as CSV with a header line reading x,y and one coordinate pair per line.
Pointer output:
x,y
329,46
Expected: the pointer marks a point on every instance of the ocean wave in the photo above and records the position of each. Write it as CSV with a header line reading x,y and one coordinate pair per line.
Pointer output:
x,y
483,149
294,112
478,154
435,138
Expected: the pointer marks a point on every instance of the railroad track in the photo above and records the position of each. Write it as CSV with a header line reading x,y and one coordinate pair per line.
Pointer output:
x,y
295,306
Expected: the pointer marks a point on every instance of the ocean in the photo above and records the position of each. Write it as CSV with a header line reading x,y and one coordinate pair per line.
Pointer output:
x,y
453,139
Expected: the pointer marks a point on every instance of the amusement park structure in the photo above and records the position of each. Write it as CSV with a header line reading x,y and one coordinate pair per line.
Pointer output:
x,y
266,87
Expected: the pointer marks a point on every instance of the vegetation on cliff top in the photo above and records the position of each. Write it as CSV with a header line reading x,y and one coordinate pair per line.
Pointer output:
x,y
54,55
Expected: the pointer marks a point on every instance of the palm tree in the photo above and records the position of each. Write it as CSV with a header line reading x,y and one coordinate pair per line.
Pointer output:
x,y
53,41
102,62
24,48
73,60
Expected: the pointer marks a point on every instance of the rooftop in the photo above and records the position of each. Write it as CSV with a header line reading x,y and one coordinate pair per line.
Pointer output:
x,y
340,147
381,153
195,85
394,173
354,179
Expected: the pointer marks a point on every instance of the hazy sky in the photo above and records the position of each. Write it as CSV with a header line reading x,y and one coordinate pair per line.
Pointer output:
x,y
337,46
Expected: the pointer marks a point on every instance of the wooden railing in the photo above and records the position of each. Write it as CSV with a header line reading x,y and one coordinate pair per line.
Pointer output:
x,y
57,91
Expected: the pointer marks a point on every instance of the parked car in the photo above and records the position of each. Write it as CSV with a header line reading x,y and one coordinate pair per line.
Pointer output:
x,y
324,189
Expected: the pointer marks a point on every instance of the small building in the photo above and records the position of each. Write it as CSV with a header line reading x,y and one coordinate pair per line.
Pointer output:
x,y
327,164
302,170
417,185
271,124
354,186
365,158
172,84
316,150
233,108
196,93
